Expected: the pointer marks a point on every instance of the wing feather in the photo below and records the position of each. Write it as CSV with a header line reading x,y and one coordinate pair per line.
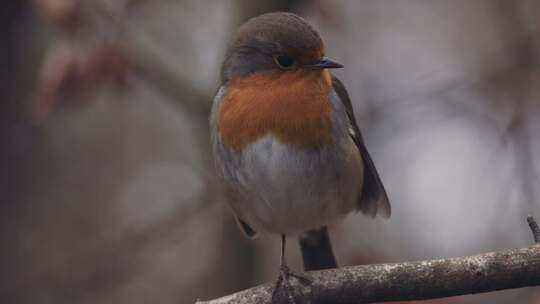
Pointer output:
x,y
374,199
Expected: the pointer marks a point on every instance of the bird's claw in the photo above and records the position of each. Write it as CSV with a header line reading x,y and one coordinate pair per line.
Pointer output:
x,y
284,284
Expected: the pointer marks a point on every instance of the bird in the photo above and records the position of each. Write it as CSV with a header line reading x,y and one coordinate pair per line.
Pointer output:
x,y
285,140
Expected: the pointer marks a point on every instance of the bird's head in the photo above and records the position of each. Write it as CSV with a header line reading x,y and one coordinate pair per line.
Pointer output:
x,y
275,43
277,82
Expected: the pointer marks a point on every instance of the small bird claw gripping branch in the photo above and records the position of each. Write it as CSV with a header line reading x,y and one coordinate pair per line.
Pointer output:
x,y
513,268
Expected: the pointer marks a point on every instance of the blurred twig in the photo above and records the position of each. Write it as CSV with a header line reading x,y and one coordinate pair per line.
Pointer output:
x,y
150,66
521,42
102,22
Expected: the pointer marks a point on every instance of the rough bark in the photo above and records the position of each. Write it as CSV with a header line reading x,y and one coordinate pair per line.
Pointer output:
x,y
420,280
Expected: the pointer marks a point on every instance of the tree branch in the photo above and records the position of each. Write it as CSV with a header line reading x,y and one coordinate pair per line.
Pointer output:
x,y
421,280
110,25
534,228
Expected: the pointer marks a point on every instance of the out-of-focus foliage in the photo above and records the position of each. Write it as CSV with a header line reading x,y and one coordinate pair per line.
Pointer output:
x,y
107,189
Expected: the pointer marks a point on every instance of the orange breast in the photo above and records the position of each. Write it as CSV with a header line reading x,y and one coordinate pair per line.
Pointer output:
x,y
291,105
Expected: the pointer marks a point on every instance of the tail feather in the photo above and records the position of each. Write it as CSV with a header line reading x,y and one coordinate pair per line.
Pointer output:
x,y
317,250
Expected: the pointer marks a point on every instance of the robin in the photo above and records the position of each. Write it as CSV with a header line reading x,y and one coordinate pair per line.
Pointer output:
x,y
285,139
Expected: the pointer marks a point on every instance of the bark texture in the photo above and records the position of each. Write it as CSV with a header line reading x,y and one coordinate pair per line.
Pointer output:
x,y
409,280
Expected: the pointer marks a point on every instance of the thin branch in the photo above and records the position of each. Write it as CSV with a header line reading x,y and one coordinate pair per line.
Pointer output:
x,y
421,280
534,228
106,22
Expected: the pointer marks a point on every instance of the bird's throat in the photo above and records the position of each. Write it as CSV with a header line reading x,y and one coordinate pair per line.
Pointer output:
x,y
293,106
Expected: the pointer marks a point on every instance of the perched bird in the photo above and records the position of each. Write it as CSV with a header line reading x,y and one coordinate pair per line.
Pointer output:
x,y
285,139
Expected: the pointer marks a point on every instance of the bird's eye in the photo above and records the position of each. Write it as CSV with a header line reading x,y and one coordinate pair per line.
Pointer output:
x,y
284,62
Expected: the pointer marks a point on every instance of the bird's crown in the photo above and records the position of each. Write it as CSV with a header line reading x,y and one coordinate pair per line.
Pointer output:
x,y
273,42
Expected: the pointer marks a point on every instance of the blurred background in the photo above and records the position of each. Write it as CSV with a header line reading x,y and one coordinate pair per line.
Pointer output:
x,y
107,188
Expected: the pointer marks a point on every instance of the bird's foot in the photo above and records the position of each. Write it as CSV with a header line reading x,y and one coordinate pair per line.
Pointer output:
x,y
283,285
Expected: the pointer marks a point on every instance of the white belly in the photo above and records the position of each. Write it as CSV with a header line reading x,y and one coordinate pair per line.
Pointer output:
x,y
286,190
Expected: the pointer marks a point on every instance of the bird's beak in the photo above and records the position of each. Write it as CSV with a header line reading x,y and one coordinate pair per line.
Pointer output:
x,y
326,63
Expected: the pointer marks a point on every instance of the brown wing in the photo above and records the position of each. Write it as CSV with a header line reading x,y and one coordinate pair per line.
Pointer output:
x,y
374,199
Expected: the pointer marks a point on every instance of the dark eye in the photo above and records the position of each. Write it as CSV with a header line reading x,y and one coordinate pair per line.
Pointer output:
x,y
284,62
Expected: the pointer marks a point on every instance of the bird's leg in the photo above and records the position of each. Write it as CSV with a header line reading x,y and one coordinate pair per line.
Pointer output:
x,y
284,274
284,269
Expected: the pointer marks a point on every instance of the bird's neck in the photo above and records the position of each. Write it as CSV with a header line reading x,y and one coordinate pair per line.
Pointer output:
x,y
293,106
